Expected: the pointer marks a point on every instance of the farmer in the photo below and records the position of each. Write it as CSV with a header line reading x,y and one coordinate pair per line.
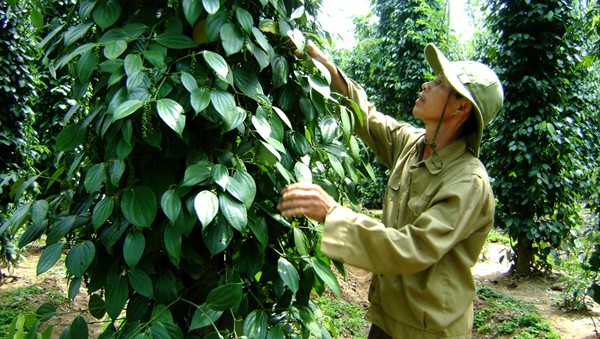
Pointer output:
x,y
438,205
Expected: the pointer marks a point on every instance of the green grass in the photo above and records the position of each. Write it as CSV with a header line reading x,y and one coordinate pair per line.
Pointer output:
x,y
502,316
15,302
345,318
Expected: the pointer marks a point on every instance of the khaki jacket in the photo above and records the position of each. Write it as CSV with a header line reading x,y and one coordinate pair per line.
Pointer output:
x,y
436,216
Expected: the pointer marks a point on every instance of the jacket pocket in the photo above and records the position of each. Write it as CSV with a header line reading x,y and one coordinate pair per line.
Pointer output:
x,y
417,203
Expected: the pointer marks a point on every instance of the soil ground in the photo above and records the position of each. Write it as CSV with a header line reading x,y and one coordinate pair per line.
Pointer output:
x,y
541,292
538,291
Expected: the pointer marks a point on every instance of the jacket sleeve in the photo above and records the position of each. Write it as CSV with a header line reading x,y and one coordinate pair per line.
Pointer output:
x,y
382,133
454,214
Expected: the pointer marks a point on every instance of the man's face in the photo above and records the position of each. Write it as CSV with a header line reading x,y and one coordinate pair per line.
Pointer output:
x,y
432,99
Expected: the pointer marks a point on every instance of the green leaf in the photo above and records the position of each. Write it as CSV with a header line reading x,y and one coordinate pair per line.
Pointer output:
x,y
96,306
171,113
302,172
245,19
117,293
114,49
133,248
155,58
260,229
86,65
297,143
95,178
261,57
139,206
46,311
262,40
283,117
220,175
197,174
39,210
279,6
133,64
165,288
256,324
236,190
281,71
62,225
116,171
189,82
328,127
78,328
204,316
75,33
213,25
288,274
224,103
262,125
102,211
231,39
192,9
247,82
80,257
172,240
224,297
300,241
36,18
171,205
141,282
324,272
336,164
248,185
127,108
206,205
175,40
217,63
320,85
106,13
200,99
32,233
234,211
217,235
49,257
70,138
211,6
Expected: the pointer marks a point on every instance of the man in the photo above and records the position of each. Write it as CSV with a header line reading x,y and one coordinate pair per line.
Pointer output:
x,y
438,206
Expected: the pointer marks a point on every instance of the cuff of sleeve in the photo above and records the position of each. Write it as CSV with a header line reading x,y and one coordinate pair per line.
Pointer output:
x,y
335,231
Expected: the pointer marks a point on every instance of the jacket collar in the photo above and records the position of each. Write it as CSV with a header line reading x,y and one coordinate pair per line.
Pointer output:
x,y
442,158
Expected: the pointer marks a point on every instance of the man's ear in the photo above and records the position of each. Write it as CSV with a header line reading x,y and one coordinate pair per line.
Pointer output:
x,y
464,107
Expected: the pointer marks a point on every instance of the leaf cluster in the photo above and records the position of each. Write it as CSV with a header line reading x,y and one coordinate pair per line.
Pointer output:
x,y
536,148
188,119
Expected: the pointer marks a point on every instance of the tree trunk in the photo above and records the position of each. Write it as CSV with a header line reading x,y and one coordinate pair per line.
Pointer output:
x,y
524,257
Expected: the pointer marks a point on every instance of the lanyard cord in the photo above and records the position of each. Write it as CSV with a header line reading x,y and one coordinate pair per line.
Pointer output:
x,y
435,156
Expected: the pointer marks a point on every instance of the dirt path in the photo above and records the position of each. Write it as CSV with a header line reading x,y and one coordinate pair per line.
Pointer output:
x,y
540,292
53,287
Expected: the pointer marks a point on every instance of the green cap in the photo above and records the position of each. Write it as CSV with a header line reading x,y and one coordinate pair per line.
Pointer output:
x,y
474,81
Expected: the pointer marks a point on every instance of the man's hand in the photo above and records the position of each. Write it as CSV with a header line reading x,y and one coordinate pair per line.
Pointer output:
x,y
305,199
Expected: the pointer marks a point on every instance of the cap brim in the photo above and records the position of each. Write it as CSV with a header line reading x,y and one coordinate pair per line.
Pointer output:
x,y
440,64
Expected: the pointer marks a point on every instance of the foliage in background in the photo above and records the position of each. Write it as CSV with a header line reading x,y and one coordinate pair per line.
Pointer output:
x,y
186,121
20,88
536,145
389,63
591,265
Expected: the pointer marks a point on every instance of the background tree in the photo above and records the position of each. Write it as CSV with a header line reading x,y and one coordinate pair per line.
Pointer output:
x,y
21,89
388,62
536,147
187,119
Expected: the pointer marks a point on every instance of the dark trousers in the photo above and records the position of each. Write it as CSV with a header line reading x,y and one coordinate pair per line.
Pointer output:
x,y
377,333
